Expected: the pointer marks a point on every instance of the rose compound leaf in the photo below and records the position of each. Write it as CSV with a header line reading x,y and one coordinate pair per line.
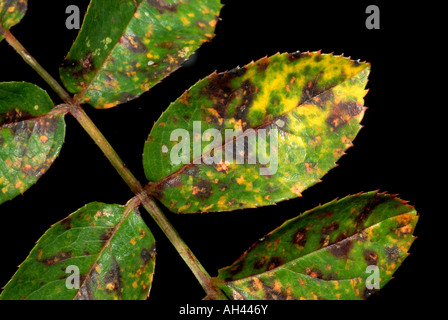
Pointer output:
x,y
31,136
331,252
11,12
297,112
125,47
108,246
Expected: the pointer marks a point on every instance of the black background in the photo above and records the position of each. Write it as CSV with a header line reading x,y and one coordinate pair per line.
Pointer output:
x,y
390,152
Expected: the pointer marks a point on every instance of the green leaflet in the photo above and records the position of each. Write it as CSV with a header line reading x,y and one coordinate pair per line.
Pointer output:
x,y
324,253
110,244
11,12
31,136
125,47
312,103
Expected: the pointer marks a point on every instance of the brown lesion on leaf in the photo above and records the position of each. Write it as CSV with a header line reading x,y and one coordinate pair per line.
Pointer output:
x,y
263,64
67,223
392,253
248,90
342,113
326,232
404,226
185,99
310,90
80,68
318,57
220,91
341,249
274,262
314,273
166,45
202,189
192,170
14,115
112,279
133,43
235,269
367,210
370,256
222,186
105,236
300,237
259,264
162,6
85,292
322,99
254,285
22,128
231,202
148,254
172,182
273,293
125,97
60,257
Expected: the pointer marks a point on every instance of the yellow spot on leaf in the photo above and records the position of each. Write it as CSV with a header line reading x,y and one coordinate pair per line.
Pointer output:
x,y
258,284
109,105
297,189
18,184
240,180
406,229
309,169
277,286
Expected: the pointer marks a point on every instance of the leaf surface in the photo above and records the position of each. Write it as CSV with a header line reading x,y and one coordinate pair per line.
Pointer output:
x,y
11,12
125,47
305,106
110,244
324,253
31,136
